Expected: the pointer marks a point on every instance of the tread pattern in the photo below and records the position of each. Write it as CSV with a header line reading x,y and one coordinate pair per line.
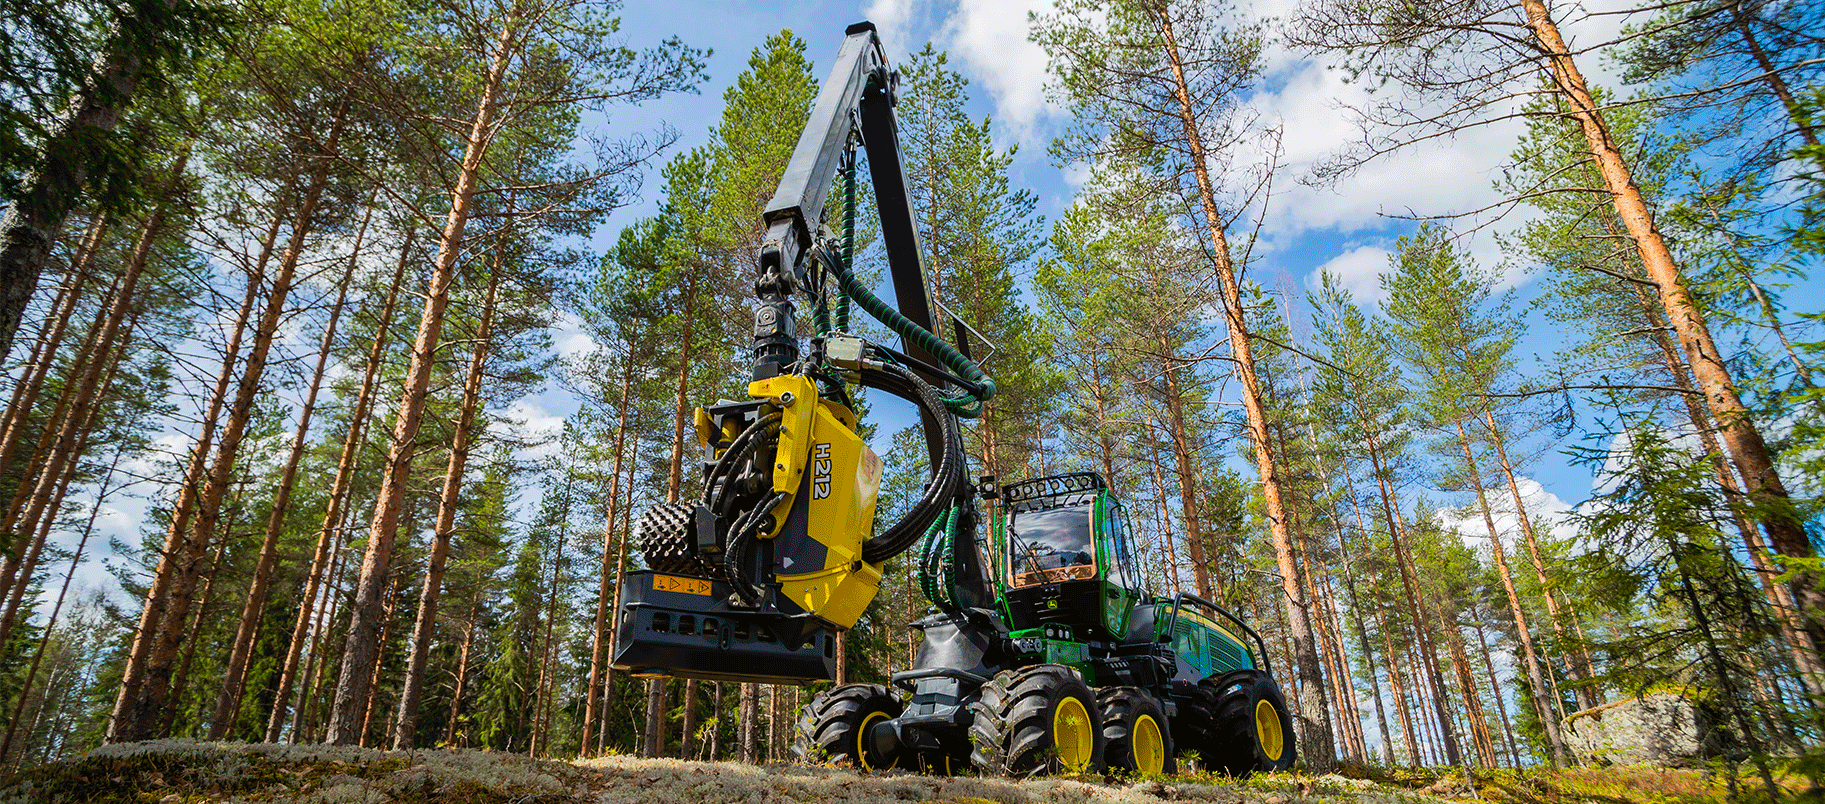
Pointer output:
x,y
1235,749
1012,730
664,532
826,730
1194,728
1121,706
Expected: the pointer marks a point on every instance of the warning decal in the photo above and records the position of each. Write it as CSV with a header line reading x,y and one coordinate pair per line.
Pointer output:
x,y
685,586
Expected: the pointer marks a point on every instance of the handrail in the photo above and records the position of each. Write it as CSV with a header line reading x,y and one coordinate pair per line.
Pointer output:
x,y
1260,654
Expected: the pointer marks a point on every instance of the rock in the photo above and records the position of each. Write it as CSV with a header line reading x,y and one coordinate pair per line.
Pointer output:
x,y
1660,728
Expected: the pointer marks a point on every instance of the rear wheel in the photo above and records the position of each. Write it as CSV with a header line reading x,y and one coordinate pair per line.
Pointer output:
x,y
1252,730
834,727
1040,719
1135,737
664,532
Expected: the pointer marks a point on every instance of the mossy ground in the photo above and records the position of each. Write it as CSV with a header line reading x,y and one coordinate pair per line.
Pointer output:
x,y
190,772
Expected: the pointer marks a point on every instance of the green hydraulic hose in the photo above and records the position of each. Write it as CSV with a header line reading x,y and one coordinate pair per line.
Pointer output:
x,y
969,405
842,300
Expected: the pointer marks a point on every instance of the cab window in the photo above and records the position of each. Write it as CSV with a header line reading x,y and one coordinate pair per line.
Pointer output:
x,y
1052,545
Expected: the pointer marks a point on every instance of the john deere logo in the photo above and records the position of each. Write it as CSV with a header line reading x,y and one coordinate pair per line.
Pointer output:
x,y
820,471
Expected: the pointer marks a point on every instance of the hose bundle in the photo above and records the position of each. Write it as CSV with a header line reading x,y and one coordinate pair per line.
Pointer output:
x,y
948,477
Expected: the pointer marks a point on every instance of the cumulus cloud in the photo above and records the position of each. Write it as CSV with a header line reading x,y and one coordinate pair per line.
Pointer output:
x,y
1357,270
989,38
1549,513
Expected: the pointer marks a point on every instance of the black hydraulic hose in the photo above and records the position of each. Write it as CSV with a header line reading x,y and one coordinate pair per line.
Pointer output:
x,y
716,486
735,558
947,478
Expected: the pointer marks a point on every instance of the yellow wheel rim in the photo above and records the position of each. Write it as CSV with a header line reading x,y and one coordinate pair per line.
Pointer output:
x,y
1071,734
1267,730
861,742
1149,746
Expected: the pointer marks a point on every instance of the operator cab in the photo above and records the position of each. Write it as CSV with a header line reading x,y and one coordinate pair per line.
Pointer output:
x,y
1062,550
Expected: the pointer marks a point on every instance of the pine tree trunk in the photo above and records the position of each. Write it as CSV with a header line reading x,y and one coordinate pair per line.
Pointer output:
x,y
1159,493
1356,617
687,728
1543,695
364,626
1495,688
25,393
542,702
1473,700
170,633
444,528
603,639
66,468
626,505
228,702
1187,469
50,625
451,735
57,182
1429,671
1315,731
334,513
1586,693
652,742
1748,450
193,634
748,721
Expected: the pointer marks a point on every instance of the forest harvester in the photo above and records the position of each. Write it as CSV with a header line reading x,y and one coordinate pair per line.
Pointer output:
x,y
1046,651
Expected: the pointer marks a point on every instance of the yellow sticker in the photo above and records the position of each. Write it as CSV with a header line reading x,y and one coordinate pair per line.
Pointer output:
x,y
686,586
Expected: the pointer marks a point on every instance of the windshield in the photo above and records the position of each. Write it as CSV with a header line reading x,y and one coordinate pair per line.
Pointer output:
x,y
1052,545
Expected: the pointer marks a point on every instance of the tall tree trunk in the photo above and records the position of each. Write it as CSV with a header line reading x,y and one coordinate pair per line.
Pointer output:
x,y
601,640
451,735
228,701
541,707
66,158
444,528
748,720
364,626
50,625
1586,693
1315,731
1748,450
1473,700
1536,678
170,633
652,741
44,358
333,515
192,636
1356,616
1495,689
1187,467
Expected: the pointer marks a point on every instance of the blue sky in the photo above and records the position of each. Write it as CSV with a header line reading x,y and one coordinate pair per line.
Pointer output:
x,y
1345,227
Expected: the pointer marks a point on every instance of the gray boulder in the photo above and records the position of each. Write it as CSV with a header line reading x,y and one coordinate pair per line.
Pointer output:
x,y
1660,728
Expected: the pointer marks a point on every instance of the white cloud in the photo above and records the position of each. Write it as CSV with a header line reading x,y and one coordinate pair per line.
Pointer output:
x,y
1358,271
1549,514
988,38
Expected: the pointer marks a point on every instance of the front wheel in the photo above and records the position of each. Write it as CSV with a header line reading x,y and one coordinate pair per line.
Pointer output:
x,y
1135,733
834,727
1252,729
1040,719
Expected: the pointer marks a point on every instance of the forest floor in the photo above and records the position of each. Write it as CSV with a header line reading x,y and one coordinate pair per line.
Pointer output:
x,y
191,772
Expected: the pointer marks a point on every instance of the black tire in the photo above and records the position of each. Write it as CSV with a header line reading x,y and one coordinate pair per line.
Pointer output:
x,y
833,727
1016,717
1136,737
664,533
1253,730
1193,731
